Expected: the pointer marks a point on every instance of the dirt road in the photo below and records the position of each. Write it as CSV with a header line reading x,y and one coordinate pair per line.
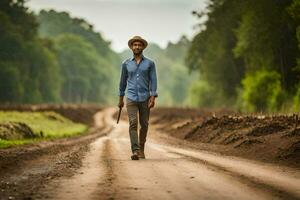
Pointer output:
x,y
168,172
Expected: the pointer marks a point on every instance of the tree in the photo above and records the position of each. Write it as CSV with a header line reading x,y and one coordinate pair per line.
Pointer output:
x,y
85,74
28,67
240,38
99,63
272,95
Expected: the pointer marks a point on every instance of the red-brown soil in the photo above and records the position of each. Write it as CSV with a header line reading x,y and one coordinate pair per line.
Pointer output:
x,y
271,138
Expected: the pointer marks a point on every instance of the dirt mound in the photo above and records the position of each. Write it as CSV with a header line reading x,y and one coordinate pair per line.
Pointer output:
x,y
266,129
15,131
293,151
224,129
263,137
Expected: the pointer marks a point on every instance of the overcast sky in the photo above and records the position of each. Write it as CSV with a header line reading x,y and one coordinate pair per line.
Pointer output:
x,y
157,21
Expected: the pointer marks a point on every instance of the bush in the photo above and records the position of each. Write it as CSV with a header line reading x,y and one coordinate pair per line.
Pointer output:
x,y
201,94
262,91
297,99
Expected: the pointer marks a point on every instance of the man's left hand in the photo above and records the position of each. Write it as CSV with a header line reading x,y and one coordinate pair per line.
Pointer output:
x,y
151,102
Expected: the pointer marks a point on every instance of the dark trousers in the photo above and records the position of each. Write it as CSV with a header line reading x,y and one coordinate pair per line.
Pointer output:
x,y
137,111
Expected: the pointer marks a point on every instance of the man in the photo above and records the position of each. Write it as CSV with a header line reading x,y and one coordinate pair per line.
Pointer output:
x,y
138,74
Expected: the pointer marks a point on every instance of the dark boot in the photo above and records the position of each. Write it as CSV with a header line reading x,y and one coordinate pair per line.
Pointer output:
x,y
141,151
135,155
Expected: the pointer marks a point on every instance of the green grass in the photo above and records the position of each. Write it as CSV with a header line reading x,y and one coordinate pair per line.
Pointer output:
x,y
10,143
51,124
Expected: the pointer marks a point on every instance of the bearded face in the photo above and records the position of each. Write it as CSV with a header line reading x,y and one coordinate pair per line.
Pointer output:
x,y
137,47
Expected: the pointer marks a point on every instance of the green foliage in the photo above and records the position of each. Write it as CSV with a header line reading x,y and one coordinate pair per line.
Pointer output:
x,y
254,42
296,100
294,11
10,143
210,51
42,78
53,23
177,51
52,58
266,39
29,72
24,22
83,70
9,85
262,91
89,67
201,94
241,39
50,78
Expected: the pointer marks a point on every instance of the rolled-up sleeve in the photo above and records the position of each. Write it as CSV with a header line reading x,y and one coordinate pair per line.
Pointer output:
x,y
123,80
153,80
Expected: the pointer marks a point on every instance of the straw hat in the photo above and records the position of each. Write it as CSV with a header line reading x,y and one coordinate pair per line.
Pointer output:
x,y
137,38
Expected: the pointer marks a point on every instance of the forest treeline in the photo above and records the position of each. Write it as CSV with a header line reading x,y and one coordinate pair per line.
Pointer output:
x,y
52,57
247,55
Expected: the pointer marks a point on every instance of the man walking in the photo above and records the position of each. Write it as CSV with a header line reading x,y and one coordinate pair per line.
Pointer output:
x,y
138,74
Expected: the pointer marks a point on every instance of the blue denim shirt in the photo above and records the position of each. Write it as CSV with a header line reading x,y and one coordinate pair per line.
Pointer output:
x,y
140,79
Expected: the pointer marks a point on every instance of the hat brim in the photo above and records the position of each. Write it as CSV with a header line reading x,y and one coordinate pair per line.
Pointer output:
x,y
131,41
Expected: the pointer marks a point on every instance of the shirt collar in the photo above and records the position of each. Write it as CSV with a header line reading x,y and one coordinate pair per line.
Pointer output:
x,y
141,59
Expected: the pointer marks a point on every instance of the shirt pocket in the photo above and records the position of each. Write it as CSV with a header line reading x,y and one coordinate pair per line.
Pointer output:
x,y
131,70
144,70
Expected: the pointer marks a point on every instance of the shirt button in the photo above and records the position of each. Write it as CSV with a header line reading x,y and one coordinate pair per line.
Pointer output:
x,y
137,75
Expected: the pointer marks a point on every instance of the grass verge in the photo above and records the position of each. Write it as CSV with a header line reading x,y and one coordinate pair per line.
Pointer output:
x,y
44,125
